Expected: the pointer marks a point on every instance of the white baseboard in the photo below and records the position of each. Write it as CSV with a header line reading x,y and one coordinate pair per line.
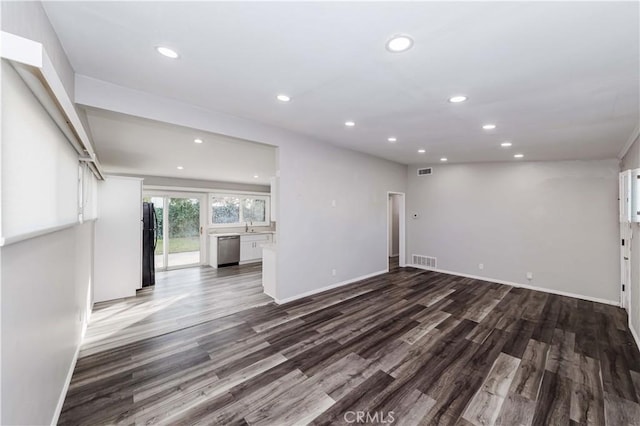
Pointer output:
x,y
329,287
72,367
527,286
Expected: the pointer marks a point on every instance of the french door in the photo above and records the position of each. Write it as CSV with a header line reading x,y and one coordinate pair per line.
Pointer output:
x,y
179,229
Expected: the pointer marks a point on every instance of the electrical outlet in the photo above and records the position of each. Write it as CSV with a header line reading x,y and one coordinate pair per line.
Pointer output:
x,y
480,266
529,276
333,272
333,203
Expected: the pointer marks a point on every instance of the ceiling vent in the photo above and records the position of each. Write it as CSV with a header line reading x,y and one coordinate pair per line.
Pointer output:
x,y
425,171
426,261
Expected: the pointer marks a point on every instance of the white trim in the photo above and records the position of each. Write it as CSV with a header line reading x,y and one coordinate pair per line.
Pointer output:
x,y
123,177
200,190
627,146
626,234
20,49
172,194
527,286
267,210
402,229
204,212
31,62
329,287
72,367
5,241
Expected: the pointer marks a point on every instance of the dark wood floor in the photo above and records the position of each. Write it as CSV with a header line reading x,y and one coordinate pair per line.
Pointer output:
x,y
421,347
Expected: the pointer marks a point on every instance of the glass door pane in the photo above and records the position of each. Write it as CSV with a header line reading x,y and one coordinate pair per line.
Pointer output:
x,y
184,232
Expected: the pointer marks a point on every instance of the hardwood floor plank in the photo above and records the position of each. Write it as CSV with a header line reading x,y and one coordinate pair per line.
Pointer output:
x,y
554,401
587,330
167,410
587,402
616,376
343,376
520,333
410,410
516,411
528,378
620,411
560,357
549,318
356,400
205,346
486,404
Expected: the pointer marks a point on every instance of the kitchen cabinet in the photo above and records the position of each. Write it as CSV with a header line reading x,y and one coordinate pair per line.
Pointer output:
x,y
213,251
251,247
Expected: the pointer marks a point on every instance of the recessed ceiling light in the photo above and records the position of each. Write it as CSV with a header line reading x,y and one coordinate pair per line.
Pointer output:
x,y
179,167
392,139
457,99
169,53
349,123
283,98
421,151
505,144
443,159
489,126
518,155
256,176
198,140
399,43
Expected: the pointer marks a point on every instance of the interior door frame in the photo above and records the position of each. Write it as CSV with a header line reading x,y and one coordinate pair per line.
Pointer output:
x,y
402,246
626,235
166,195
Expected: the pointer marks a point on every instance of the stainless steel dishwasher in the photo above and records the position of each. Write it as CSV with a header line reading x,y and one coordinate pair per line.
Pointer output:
x,y
228,250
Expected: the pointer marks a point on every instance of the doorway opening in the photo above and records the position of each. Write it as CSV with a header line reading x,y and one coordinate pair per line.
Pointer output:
x,y
178,229
396,230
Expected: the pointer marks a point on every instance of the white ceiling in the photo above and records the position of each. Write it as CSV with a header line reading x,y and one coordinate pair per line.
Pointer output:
x,y
561,80
132,145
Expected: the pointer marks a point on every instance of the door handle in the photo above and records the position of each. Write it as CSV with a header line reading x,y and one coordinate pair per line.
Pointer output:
x,y
201,230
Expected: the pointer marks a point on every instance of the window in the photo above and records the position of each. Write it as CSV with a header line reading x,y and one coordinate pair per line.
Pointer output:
x,y
225,210
236,210
254,210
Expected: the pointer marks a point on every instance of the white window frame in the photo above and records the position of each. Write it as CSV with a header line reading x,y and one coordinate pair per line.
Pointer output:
x,y
241,196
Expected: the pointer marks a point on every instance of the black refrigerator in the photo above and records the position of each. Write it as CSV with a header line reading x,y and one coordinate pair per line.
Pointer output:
x,y
149,241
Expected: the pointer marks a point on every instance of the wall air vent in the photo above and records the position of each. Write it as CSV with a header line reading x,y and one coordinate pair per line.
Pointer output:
x,y
426,261
425,171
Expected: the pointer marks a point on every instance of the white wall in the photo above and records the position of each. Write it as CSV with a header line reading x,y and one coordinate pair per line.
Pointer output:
x,y
29,20
632,161
313,237
558,220
46,281
46,285
31,141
